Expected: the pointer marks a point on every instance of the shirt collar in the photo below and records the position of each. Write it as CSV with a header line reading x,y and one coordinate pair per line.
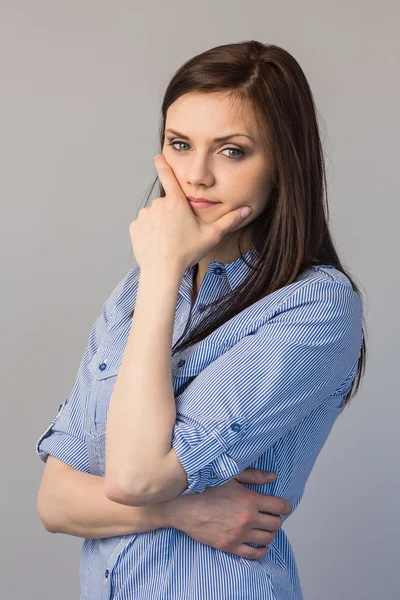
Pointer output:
x,y
235,272
238,269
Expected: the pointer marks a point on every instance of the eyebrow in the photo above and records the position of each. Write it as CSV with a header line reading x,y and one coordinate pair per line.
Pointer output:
x,y
217,139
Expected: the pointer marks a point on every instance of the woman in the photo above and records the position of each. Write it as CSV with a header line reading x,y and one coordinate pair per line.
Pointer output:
x,y
265,325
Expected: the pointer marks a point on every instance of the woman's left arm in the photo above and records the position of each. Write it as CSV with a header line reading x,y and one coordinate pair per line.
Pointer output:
x,y
139,456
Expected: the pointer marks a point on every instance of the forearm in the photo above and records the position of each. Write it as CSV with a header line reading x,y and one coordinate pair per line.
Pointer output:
x,y
77,505
142,410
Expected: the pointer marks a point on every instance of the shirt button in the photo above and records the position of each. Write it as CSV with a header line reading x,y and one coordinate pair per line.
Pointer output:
x,y
181,362
236,427
218,270
102,366
201,307
106,573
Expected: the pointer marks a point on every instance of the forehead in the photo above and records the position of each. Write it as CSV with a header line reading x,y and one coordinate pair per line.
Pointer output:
x,y
210,115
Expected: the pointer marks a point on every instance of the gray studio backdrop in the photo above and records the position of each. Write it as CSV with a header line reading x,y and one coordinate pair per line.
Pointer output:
x,y
81,86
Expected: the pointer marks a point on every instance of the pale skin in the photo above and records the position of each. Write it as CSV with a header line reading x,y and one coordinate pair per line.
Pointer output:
x,y
224,517
228,515
205,168
141,466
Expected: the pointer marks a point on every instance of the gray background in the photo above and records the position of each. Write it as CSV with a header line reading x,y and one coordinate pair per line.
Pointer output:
x,y
81,87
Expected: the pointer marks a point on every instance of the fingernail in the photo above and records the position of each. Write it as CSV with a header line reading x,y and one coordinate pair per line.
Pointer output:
x,y
271,476
245,212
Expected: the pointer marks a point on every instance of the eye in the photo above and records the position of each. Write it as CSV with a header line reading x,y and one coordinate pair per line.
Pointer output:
x,y
172,145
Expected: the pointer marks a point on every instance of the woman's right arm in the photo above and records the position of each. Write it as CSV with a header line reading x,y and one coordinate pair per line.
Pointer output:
x,y
73,502
224,517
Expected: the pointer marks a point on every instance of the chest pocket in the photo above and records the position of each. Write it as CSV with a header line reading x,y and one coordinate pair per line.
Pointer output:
x,y
103,368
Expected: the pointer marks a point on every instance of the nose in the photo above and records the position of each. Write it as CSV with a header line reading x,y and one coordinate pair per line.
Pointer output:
x,y
198,173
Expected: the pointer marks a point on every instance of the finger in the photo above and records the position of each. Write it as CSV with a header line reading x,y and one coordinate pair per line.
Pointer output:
x,y
251,553
256,476
275,505
260,537
167,178
228,222
268,522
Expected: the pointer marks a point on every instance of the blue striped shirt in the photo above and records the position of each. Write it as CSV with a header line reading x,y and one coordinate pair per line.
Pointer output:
x,y
263,390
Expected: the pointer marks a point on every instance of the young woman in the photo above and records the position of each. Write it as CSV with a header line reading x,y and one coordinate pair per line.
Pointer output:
x,y
235,343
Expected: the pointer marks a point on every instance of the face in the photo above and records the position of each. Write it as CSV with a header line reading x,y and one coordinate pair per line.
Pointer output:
x,y
233,172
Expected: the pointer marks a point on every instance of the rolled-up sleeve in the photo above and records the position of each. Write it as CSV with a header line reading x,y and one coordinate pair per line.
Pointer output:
x,y
64,437
305,351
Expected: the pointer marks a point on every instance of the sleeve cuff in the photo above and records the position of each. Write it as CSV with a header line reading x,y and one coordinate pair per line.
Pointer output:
x,y
66,448
203,454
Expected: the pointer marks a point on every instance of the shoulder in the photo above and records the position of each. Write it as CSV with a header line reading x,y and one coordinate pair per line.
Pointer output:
x,y
319,286
121,300
320,306
328,273
331,290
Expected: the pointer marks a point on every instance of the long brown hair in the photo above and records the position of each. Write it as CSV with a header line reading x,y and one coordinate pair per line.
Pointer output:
x,y
292,233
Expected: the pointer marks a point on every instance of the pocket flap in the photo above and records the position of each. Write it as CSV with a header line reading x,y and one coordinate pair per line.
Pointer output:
x,y
106,362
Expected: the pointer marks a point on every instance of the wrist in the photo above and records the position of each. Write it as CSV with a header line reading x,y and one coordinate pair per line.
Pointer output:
x,y
170,513
148,518
168,275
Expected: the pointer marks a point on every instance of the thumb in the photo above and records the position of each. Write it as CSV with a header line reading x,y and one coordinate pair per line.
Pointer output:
x,y
255,476
229,221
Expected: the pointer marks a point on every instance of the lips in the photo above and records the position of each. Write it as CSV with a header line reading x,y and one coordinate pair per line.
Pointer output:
x,y
203,200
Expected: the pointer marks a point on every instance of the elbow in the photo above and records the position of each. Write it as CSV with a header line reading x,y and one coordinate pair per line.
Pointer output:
x,y
45,516
48,527
141,488
122,493
145,496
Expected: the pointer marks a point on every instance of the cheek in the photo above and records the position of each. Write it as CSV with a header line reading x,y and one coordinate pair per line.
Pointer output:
x,y
249,189
174,164
261,189
169,155
172,160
